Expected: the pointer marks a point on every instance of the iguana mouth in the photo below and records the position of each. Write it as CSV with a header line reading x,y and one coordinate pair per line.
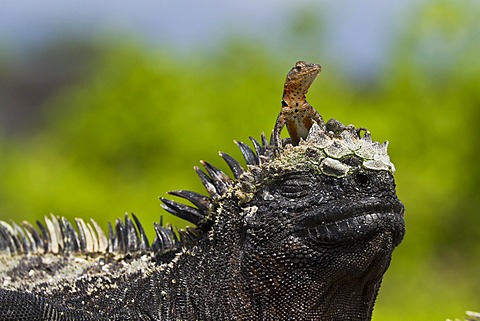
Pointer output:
x,y
354,222
336,215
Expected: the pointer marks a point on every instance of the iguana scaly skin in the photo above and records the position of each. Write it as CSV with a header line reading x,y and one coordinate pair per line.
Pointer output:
x,y
303,232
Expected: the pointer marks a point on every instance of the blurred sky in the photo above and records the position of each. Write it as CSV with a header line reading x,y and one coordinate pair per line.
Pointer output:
x,y
357,31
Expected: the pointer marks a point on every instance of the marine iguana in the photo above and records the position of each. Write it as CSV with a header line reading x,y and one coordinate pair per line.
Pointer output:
x,y
303,232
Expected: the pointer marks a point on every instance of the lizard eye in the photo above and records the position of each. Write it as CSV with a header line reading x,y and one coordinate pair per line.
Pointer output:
x,y
298,68
294,187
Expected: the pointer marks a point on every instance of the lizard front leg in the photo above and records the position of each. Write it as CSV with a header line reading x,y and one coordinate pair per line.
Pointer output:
x,y
277,129
313,114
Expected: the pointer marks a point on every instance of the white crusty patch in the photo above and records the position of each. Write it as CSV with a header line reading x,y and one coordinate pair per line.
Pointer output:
x,y
324,152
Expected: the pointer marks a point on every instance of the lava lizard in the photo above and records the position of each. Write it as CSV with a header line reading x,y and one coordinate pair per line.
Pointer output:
x,y
297,114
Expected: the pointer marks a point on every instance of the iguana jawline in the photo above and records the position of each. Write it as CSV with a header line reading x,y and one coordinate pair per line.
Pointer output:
x,y
342,214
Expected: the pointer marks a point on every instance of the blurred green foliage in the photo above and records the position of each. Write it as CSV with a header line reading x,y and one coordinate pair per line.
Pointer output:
x,y
134,128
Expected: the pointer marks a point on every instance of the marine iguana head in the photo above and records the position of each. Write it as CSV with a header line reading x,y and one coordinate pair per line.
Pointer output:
x,y
309,229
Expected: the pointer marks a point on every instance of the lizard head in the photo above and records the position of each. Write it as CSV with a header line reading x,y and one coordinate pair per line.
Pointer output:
x,y
299,79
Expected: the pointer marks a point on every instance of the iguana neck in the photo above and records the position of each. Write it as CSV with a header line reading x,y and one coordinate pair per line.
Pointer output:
x,y
317,294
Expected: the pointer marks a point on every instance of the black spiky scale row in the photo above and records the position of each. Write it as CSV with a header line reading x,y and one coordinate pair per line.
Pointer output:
x,y
183,211
250,156
235,166
58,235
166,236
216,182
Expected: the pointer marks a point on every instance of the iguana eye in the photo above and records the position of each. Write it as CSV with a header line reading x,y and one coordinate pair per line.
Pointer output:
x,y
294,187
362,179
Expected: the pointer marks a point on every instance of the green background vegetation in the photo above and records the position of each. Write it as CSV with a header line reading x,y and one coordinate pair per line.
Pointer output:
x,y
137,120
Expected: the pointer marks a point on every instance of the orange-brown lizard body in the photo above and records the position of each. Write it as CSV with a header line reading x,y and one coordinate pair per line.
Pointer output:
x,y
297,114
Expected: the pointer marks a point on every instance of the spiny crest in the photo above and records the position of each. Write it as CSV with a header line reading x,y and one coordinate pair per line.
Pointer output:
x,y
58,236
322,151
217,183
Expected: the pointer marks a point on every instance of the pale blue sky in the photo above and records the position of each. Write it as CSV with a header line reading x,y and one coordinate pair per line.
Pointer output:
x,y
357,31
